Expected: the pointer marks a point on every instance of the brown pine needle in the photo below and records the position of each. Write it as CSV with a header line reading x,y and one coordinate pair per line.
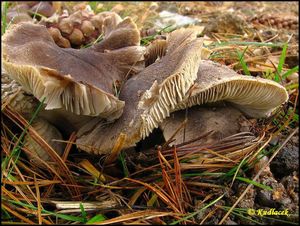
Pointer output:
x,y
17,214
64,158
159,193
146,214
38,197
116,149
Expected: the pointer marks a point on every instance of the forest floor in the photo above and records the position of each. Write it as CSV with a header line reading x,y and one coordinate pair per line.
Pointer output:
x,y
157,183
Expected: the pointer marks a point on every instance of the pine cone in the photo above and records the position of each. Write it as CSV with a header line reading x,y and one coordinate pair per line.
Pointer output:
x,y
80,28
276,21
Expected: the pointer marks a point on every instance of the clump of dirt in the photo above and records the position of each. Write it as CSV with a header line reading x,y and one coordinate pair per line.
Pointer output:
x,y
285,162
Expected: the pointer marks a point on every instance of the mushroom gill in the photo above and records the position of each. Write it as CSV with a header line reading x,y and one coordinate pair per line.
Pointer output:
x,y
256,97
150,95
80,81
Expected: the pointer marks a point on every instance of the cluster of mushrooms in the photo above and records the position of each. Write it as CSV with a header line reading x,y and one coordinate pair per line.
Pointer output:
x,y
119,88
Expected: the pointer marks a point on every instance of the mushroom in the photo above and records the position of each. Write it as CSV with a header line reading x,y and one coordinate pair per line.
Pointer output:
x,y
143,113
149,96
81,82
22,11
78,85
78,81
25,104
49,133
254,96
223,121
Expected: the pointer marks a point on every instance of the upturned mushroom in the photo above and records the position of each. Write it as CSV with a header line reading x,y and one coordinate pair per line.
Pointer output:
x,y
254,96
77,85
25,104
79,81
178,79
149,96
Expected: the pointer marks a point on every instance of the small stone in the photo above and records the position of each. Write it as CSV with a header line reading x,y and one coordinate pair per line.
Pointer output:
x,y
293,77
286,161
264,198
226,23
274,141
258,52
228,221
258,166
271,21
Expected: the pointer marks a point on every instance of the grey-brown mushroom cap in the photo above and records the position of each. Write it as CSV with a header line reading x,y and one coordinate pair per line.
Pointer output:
x,y
118,34
79,81
222,121
256,97
149,96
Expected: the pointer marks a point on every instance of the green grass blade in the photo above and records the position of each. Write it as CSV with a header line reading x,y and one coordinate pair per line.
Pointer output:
x,y
232,171
289,72
17,149
282,58
99,39
197,212
238,169
83,213
5,214
147,39
97,218
247,44
265,187
3,17
242,61
123,162
93,6
292,86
